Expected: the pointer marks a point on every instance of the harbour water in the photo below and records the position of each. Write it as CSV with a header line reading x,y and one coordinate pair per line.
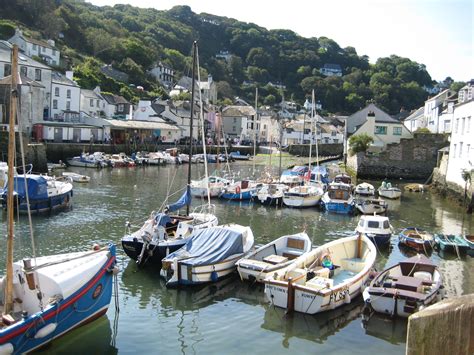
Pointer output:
x,y
228,317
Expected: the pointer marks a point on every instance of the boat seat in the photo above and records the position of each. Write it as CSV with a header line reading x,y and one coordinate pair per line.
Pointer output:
x,y
320,283
295,273
352,264
294,248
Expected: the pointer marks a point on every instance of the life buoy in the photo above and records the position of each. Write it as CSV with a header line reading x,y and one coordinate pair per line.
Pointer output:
x,y
237,190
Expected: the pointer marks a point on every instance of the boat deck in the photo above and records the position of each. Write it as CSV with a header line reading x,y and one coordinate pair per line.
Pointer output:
x,y
342,276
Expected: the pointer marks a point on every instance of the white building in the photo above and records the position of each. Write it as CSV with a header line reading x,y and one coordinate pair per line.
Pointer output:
x,y
331,70
269,129
164,74
415,120
461,153
433,110
92,103
65,98
467,92
32,47
237,122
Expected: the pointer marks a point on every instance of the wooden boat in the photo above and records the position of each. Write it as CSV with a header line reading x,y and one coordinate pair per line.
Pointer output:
x,y
389,191
376,228
343,178
273,256
303,196
416,238
414,187
271,194
405,288
325,278
76,177
451,242
215,184
338,198
371,206
365,189
47,296
209,255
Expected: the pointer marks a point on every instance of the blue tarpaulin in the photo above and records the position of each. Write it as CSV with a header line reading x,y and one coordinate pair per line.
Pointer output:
x,y
37,187
320,173
209,246
183,201
162,219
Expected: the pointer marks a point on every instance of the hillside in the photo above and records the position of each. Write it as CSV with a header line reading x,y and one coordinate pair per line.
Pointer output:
x,y
133,39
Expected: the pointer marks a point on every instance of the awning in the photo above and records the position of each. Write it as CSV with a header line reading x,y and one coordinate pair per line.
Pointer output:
x,y
135,124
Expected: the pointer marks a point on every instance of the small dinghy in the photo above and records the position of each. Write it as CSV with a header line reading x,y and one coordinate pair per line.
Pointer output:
x,y
416,238
452,243
323,279
76,177
388,191
405,288
372,206
414,187
273,256
376,228
365,189
209,255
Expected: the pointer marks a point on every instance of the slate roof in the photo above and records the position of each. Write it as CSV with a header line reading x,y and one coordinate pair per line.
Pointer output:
x,y
23,59
59,78
358,119
415,114
90,93
236,111
112,99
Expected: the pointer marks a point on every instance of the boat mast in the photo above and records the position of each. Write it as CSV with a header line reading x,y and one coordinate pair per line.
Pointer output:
x,y
191,123
310,133
11,167
316,133
255,130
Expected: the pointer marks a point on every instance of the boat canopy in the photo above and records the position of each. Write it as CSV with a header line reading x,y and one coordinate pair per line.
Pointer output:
x,y
320,173
37,187
209,246
183,201
296,171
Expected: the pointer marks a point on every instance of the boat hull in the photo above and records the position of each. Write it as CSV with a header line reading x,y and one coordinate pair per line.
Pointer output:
x,y
242,196
270,201
52,203
154,253
301,201
381,240
339,207
86,304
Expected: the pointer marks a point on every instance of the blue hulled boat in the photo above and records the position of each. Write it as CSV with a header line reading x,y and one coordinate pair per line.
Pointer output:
x,y
240,191
376,228
338,198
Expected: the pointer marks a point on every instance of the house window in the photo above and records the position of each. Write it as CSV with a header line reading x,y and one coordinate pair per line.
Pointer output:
x,y
380,130
55,104
98,104
91,103
468,151
56,91
34,47
456,128
24,71
38,74
447,125
68,105
7,69
454,151
460,149
120,108
54,51
335,141
468,127
463,124
68,93
44,49
235,120
233,129
397,131
333,133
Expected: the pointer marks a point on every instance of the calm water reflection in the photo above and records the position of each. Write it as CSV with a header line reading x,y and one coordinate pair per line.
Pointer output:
x,y
227,317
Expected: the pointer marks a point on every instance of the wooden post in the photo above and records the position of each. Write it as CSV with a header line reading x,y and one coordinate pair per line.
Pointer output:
x,y
11,167
446,327
290,300
359,246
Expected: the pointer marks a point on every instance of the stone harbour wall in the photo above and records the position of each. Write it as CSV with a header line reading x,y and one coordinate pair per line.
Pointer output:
x,y
411,159
35,154
324,150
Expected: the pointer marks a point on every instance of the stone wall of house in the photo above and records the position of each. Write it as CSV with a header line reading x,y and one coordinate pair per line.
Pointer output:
x,y
412,159
34,153
323,149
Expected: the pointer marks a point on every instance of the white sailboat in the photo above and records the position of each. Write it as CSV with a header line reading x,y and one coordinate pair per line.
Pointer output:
x,y
42,298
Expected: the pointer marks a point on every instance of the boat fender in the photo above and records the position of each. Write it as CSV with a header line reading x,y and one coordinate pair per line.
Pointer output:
x,y
46,330
6,349
237,190
347,298
96,247
214,276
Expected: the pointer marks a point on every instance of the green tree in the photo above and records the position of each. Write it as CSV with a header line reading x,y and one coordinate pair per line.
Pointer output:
x,y
359,143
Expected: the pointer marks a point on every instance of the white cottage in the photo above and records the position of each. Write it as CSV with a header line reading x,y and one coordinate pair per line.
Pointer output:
x,y
65,98
33,47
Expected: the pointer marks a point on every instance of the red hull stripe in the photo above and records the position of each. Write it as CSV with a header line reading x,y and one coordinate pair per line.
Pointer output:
x,y
73,299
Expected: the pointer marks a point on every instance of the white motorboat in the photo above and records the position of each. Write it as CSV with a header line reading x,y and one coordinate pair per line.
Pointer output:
x,y
338,198
389,191
273,256
376,228
371,206
405,288
303,196
365,189
215,184
271,194
76,177
325,278
209,255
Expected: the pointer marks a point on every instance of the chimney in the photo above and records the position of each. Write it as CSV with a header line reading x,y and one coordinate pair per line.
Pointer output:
x,y
51,42
70,75
209,78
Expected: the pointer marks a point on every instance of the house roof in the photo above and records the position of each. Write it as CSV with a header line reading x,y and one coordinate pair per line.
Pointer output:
x,y
114,99
59,78
135,124
5,56
358,119
332,66
416,114
38,42
235,111
90,94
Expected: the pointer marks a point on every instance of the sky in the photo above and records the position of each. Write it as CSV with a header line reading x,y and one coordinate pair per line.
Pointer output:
x,y
436,33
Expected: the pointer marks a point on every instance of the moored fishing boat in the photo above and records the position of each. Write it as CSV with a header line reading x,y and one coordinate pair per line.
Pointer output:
x,y
76,177
271,194
389,191
451,242
405,288
273,256
240,190
303,196
364,189
210,255
376,228
325,278
96,160
294,175
338,198
214,184
371,206
417,238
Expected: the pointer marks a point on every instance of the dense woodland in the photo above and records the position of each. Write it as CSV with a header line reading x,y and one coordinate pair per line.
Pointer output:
x,y
133,39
